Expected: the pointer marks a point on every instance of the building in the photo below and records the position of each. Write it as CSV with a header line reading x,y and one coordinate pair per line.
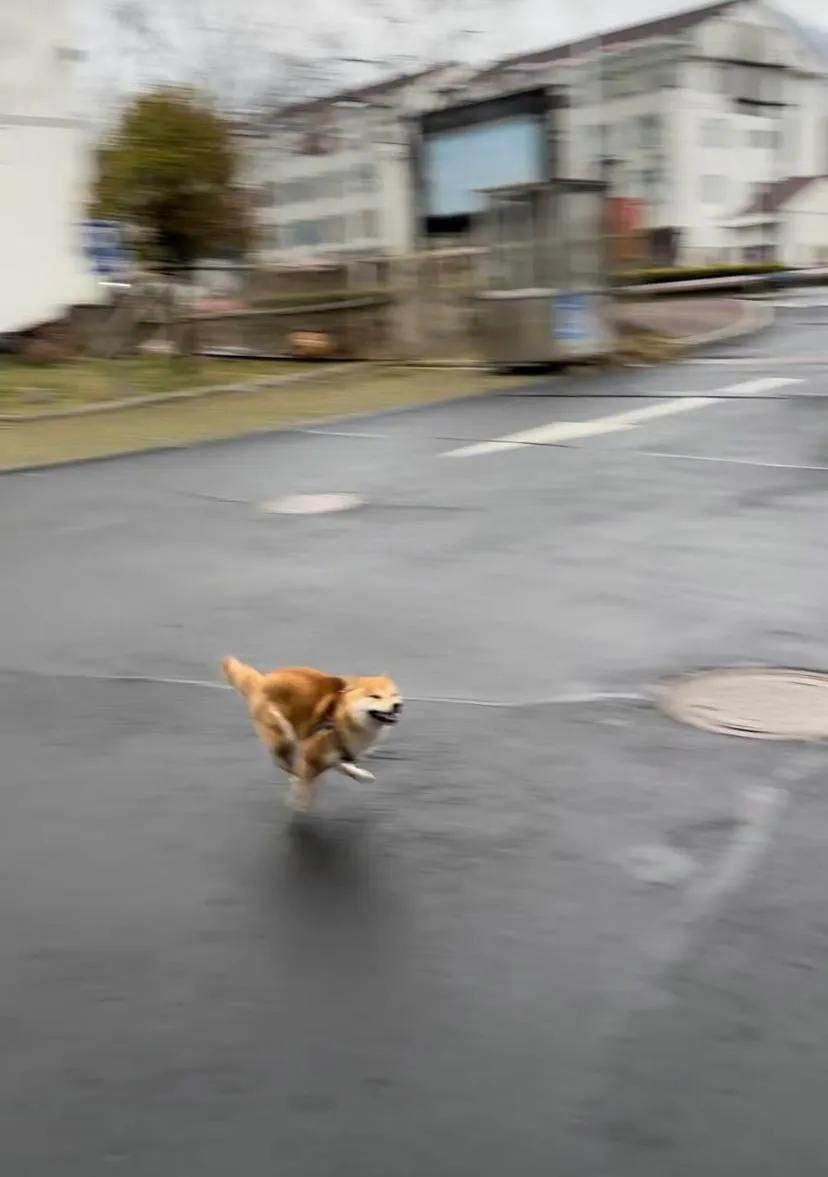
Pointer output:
x,y
788,222
333,177
44,162
693,116
690,118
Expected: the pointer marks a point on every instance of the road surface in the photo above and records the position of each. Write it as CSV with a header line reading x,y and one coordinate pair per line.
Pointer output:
x,y
561,933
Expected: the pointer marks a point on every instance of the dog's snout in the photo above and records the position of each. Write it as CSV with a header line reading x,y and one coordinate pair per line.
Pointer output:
x,y
397,708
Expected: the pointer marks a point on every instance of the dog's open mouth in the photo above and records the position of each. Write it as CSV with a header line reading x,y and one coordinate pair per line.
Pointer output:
x,y
384,716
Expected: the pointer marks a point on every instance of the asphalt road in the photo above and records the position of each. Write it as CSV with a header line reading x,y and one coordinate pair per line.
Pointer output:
x,y
561,933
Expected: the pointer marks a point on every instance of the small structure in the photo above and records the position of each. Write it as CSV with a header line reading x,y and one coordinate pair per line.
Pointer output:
x,y
544,295
787,222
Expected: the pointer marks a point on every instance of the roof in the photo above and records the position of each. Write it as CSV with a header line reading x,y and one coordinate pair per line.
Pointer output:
x,y
360,93
663,26
777,195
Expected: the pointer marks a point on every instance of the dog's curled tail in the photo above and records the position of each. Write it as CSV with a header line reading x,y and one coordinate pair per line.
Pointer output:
x,y
243,678
275,729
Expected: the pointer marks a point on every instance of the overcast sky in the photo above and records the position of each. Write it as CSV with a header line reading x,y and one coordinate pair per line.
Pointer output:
x,y
328,30
545,21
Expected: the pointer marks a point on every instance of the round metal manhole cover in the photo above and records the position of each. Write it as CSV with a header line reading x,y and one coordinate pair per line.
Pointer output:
x,y
317,504
760,703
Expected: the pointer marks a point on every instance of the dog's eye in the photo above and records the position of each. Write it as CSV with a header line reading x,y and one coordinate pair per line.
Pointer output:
x,y
378,697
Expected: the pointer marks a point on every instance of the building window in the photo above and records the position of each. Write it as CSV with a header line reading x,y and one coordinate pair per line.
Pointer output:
x,y
651,184
649,128
713,189
713,133
765,137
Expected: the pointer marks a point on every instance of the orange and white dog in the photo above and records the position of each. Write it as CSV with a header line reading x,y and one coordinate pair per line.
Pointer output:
x,y
310,721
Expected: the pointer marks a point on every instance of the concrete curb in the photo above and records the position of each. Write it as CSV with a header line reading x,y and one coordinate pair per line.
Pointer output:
x,y
308,425
259,384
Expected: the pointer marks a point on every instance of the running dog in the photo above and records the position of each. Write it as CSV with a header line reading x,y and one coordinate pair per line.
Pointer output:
x,y
310,721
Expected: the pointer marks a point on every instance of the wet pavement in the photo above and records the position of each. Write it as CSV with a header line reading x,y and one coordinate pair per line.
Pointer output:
x,y
561,933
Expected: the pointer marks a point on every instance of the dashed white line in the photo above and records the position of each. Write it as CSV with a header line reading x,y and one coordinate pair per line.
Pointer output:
x,y
729,461
755,387
556,432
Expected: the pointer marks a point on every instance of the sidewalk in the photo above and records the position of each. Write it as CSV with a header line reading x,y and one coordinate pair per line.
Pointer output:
x,y
690,321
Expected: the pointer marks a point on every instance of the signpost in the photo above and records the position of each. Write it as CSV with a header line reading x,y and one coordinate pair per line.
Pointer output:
x,y
575,319
103,246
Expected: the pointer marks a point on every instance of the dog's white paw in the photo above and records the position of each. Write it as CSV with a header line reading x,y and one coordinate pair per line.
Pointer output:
x,y
355,772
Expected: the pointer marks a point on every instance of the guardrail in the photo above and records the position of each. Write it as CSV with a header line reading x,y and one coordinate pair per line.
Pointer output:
x,y
739,282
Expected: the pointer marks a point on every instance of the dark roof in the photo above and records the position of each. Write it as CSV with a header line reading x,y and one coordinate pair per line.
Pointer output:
x,y
777,195
360,93
663,26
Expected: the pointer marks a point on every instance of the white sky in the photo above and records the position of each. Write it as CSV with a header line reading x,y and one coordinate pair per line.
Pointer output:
x,y
328,30
540,22
516,26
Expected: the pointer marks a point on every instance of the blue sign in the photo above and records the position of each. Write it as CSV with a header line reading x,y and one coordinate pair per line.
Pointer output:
x,y
103,246
573,318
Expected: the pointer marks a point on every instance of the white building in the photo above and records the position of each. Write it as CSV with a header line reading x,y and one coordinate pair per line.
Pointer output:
x,y
788,221
44,167
694,115
333,178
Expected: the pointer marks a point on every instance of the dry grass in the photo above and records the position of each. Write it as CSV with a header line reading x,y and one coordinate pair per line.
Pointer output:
x,y
223,415
30,390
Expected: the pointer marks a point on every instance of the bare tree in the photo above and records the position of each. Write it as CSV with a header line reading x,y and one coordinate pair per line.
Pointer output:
x,y
248,59
237,54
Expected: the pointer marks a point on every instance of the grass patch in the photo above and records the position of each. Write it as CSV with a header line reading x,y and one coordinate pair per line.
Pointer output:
x,y
225,415
30,390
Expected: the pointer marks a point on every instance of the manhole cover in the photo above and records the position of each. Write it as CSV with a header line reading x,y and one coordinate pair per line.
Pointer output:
x,y
762,703
320,504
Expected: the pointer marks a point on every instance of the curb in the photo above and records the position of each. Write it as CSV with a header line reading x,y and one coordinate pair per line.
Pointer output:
x,y
163,398
303,426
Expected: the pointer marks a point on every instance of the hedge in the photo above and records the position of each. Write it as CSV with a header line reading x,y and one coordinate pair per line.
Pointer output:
x,y
692,273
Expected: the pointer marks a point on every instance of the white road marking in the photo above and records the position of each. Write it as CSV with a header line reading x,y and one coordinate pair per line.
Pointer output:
x,y
341,433
312,504
564,431
658,864
547,701
761,808
754,361
730,461
755,387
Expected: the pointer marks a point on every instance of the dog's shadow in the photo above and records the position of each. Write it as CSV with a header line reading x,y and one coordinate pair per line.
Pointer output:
x,y
319,848
326,862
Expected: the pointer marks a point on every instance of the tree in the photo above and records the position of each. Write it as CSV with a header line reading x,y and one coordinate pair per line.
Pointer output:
x,y
168,173
254,57
244,57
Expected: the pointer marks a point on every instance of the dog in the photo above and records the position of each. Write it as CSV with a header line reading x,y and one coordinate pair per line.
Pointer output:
x,y
310,721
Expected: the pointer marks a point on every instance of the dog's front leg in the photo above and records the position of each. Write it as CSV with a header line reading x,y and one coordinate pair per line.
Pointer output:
x,y
348,768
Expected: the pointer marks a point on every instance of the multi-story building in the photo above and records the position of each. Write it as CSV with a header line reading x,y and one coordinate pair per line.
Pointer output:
x,y
44,167
693,117
333,178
